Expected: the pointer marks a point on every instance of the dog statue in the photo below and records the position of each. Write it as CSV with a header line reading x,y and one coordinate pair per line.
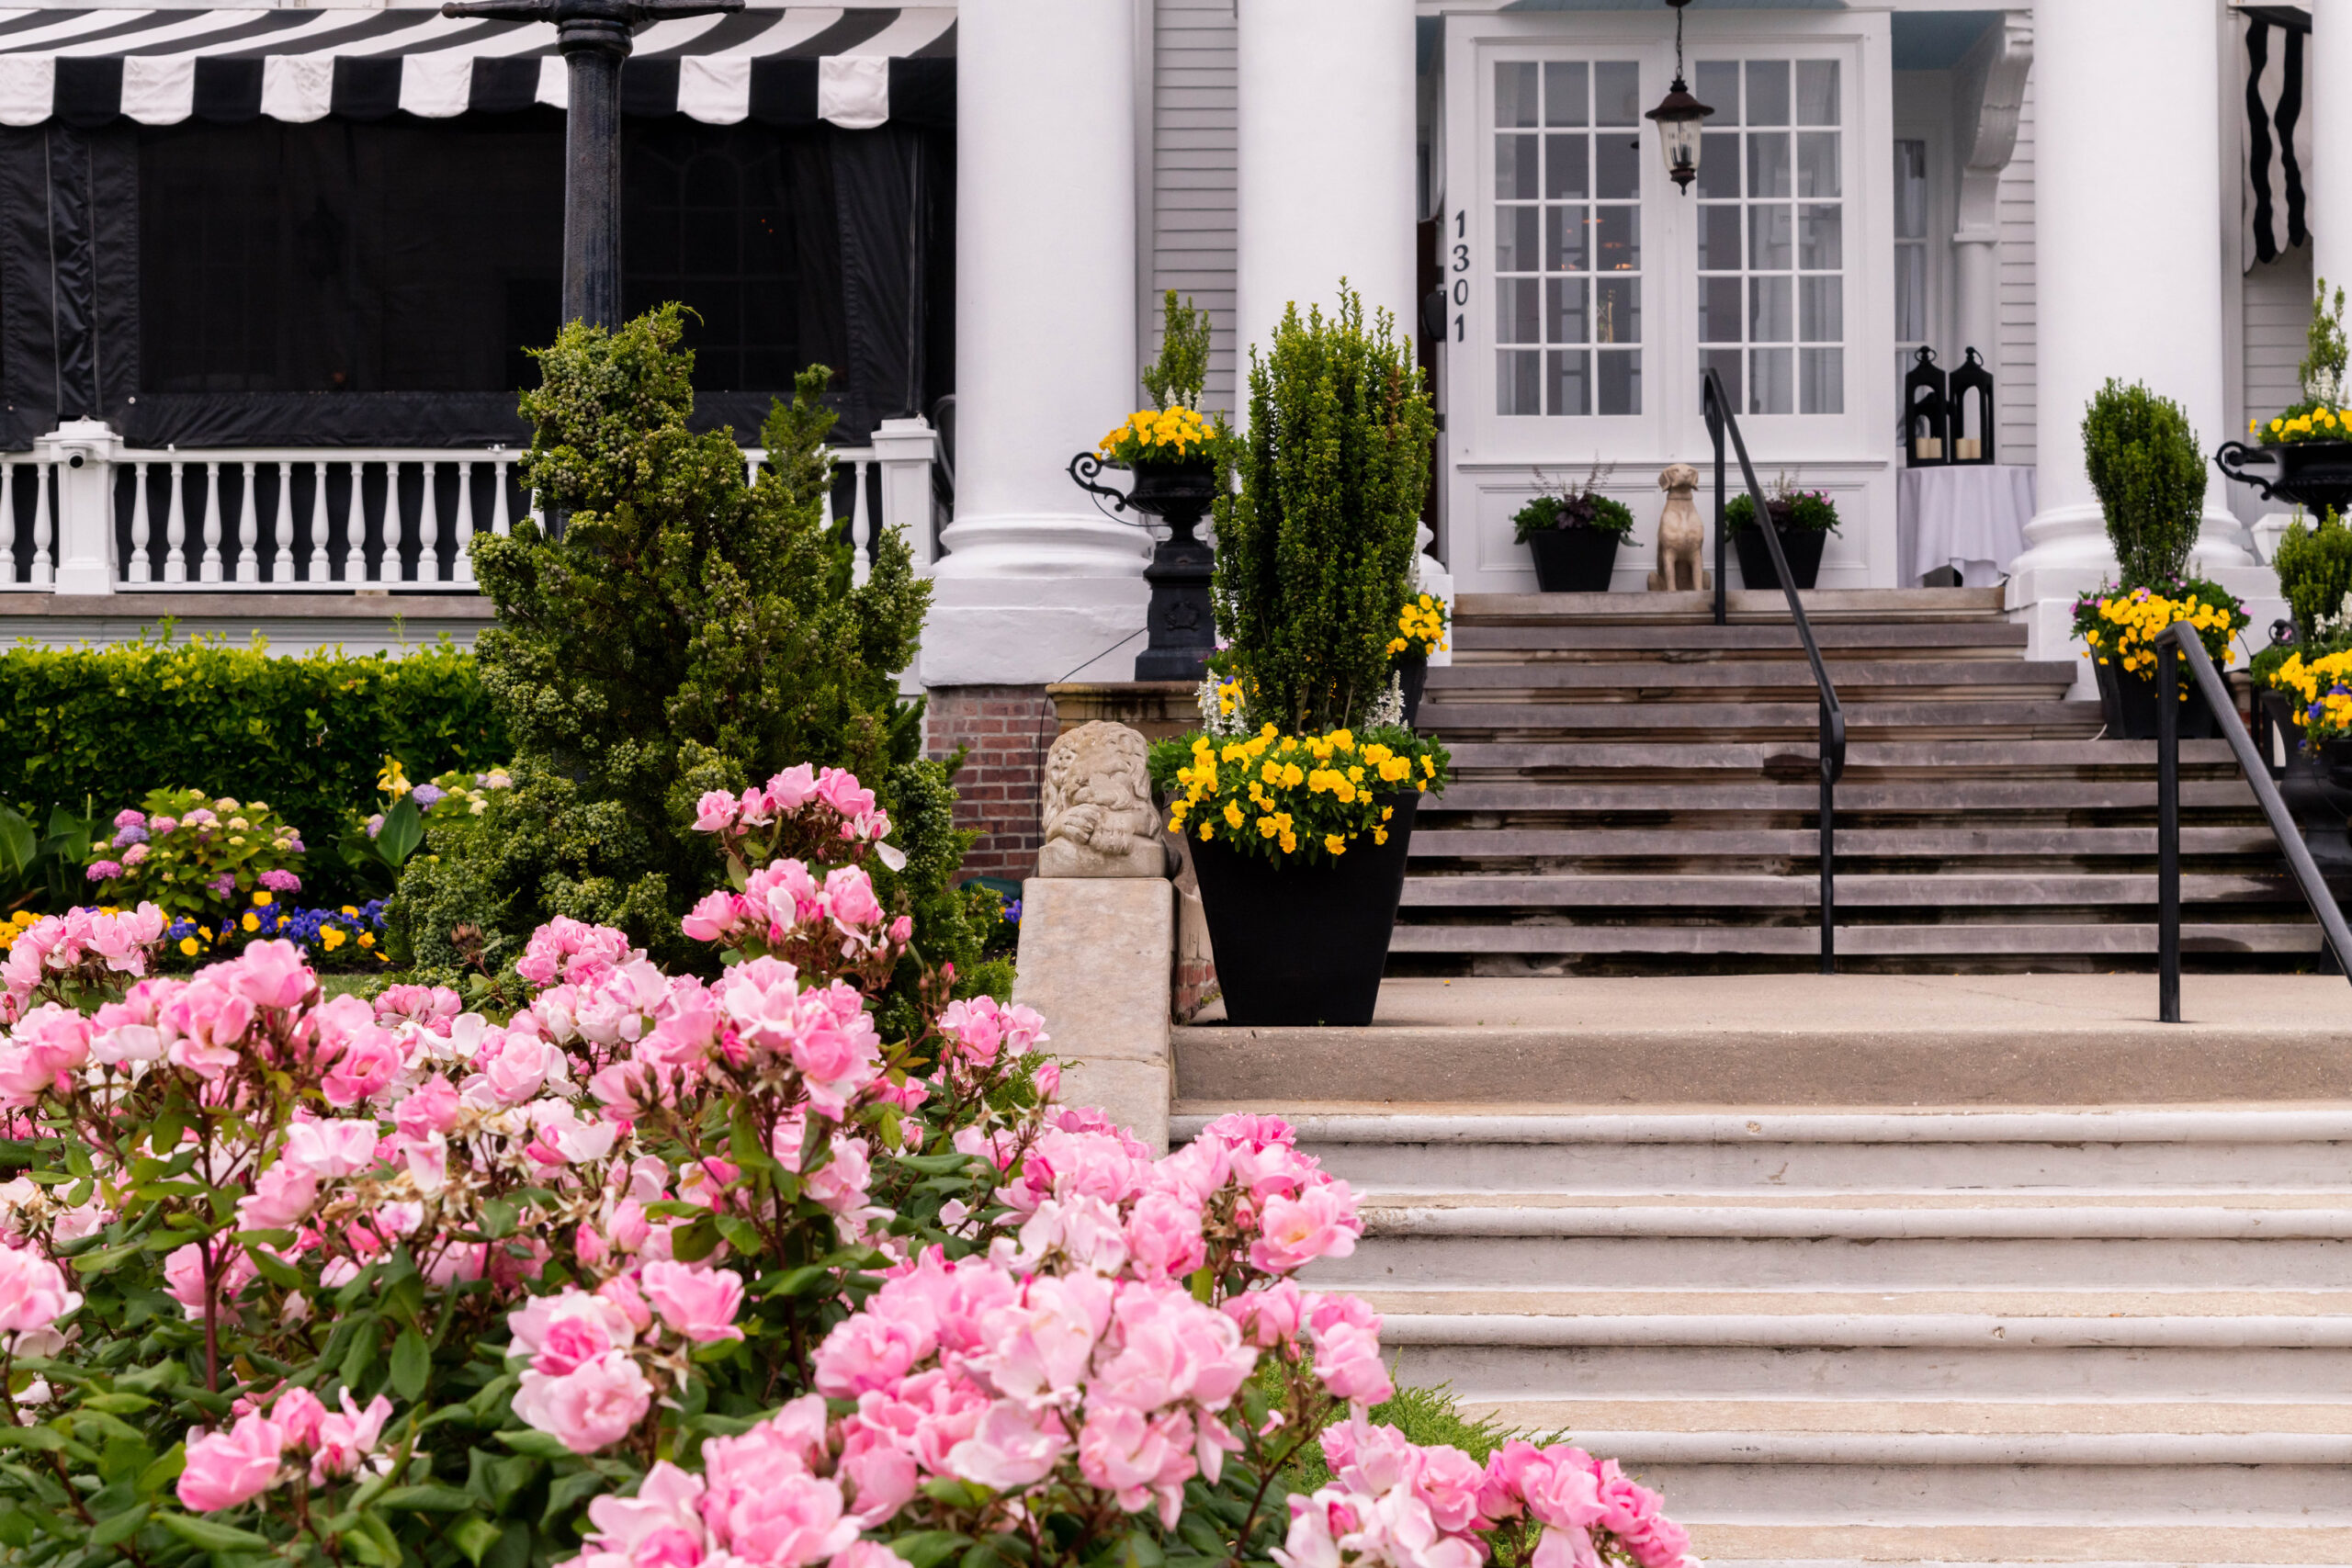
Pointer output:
x,y
1681,537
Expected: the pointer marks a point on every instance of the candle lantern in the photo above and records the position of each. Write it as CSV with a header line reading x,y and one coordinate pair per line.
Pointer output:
x,y
1927,414
1969,412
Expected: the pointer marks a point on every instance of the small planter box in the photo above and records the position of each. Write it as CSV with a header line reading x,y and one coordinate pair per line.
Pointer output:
x,y
1573,560
1803,547
2128,702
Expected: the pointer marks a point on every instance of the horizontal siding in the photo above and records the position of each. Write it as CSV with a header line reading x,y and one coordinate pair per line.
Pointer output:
x,y
2013,387
1194,162
2277,314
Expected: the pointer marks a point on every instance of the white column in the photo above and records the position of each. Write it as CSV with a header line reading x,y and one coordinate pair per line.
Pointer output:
x,y
1037,584
83,452
2127,270
1327,161
2328,202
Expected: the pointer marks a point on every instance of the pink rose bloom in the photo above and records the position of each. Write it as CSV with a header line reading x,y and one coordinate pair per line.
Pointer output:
x,y
1012,1447
331,1149
297,1413
696,1301
592,1407
715,812
184,1278
792,1519
33,1294
660,1528
362,1070
1347,1360
712,918
48,1044
794,788
563,1333
271,974
347,1439
1048,1079
281,1196
849,898
839,790
225,1468
1133,1459
1268,1318
869,1351
431,1107
1320,1222
1164,1237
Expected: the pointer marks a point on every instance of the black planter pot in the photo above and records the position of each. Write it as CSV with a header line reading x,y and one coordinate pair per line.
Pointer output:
x,y
2318,474
2127,700
1304,944
2317,788
1573,560
1181,620
1802,547
1413,674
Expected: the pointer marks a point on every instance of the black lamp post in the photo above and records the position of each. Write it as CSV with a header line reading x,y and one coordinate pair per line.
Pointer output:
x,y
1680,117
594,38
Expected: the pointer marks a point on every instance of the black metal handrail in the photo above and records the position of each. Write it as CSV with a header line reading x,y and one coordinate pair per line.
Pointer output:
x,y
2175,642
1722,423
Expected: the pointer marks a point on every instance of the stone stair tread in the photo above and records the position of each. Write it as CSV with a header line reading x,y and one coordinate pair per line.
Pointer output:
x,y
1697,844
1891,639
2002,889
1844,675
2052,1302
1987,1417
1825,606
1726,718
1759,796
1375,1200
1861,756
1861,940
1979,1545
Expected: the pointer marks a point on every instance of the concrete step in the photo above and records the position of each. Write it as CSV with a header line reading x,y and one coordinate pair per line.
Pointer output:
x,y
1751,679
2007,890
1958,798
1541,848
1877,760
1481,641
1745,606
2033,941
1732,1544
1760,720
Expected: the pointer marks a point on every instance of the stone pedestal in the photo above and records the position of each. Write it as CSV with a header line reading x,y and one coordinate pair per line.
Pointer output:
x,y
1095,960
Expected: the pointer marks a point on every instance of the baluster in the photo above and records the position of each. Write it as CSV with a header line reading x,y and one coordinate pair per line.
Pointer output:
x,y
861,530
137,569
461,569
43,574
354,520
8,517
281,558
498,521
175,527
387,546
248,548
314,525
428,528
538,513
208,570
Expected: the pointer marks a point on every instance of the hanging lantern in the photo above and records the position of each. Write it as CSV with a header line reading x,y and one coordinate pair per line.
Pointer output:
x,y
1680,117
1971,377
1926,415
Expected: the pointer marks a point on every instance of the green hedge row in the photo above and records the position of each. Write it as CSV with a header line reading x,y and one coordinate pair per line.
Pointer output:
x,y
95,728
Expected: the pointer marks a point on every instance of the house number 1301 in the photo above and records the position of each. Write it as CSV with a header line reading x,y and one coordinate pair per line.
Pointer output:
x,y
1461,266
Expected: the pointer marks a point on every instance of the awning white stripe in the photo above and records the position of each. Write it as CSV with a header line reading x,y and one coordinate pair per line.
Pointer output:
x,y
716,88
914,28
798,27
298,88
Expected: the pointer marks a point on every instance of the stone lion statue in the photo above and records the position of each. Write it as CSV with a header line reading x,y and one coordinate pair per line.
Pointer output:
x,y
1099,817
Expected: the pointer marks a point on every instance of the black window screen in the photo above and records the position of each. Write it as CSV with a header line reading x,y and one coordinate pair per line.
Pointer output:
x,y
708,222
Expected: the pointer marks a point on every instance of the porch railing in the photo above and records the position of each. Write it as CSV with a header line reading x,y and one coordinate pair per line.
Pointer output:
x,y
82,514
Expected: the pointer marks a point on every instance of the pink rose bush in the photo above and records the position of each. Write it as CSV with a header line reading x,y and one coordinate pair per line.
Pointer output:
x,y
655,1270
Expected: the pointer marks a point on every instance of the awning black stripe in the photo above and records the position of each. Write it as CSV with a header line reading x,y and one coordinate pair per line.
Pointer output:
x,y
941,48
739,29
338,33
269,27
475,32
152,21
37,19
853,29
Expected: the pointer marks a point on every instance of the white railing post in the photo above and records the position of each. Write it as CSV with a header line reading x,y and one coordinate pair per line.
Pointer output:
x,y
140,570
906,449
499,523
371,572
248,552
354,519
81,452
428,528
461,566
42,571
8,469
314,524
208,569
175,527
281,558
861,525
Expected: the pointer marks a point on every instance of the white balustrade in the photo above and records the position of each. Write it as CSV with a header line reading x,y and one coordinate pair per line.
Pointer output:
x,y
337,520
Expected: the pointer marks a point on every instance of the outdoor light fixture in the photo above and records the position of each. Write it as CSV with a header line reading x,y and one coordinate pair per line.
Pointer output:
x,y
1678,116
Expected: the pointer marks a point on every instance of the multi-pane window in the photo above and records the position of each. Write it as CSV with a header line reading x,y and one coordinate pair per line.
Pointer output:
x,y
1911,253
1771,234
708,223
1568,256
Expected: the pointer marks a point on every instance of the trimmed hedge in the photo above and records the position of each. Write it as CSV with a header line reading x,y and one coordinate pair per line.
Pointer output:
x,y
100,727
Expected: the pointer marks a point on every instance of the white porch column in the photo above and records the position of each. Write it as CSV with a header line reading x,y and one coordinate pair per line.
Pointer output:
x,y
1326,161
2128,274
1989,95
2329,201
83,452
1037,585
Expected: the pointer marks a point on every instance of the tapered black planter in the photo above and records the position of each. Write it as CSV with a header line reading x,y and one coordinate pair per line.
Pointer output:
x,y
1181,621
1802,547
1573,560
1413,675
1304,944
2128,702
2315,474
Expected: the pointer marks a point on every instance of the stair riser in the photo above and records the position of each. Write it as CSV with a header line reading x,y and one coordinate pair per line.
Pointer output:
x,y
1714,1263
2058,1494
1374,1168
1493,1374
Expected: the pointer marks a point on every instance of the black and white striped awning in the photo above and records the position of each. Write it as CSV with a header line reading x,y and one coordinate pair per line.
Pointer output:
x,y
2278,130
852,66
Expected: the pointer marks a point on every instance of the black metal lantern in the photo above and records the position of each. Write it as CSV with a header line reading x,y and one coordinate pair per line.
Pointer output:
x,y
1680,117
1927,414
1971,377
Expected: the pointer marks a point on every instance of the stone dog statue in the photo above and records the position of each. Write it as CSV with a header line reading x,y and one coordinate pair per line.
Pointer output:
x,y
1097,807
1681,537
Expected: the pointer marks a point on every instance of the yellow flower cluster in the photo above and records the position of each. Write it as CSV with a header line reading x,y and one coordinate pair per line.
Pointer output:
x,y
1284,790
16,926
2324,702
1421,626
1158,435
2139,618
2320,424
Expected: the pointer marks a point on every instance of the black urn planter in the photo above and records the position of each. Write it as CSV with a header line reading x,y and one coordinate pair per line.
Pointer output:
x,y
1413,675
2126,701
1181,620
1802,547
1304,944
1573,560
2317,785
2315,474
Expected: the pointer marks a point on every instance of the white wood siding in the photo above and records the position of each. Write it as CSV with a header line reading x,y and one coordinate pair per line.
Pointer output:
x,y
2013,375
1192,173
2277,313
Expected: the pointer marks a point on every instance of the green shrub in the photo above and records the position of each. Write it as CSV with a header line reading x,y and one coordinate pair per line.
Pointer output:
x,y
2150,475
2316,571
688,632
94,729
1315,551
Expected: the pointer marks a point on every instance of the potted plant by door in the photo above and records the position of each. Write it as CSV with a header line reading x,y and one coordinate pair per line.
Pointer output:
x,y
2311,691
2304,454
1804,518
1420,631
1297,794
1574,537
2121,628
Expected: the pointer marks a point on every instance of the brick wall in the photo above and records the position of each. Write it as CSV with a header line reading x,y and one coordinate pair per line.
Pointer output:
x,y
1005,731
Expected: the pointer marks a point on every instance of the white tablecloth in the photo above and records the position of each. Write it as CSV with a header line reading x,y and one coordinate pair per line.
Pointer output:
x,y
1969,516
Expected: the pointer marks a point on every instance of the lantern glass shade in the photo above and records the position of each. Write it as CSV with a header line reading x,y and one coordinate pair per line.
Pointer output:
x,y
1679,118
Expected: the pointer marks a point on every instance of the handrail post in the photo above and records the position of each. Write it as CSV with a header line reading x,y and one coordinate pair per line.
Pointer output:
x,y
1715,422
2168,696
1828,848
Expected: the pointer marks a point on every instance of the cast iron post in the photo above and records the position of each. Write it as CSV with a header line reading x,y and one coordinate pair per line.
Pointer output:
x,y
594,38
